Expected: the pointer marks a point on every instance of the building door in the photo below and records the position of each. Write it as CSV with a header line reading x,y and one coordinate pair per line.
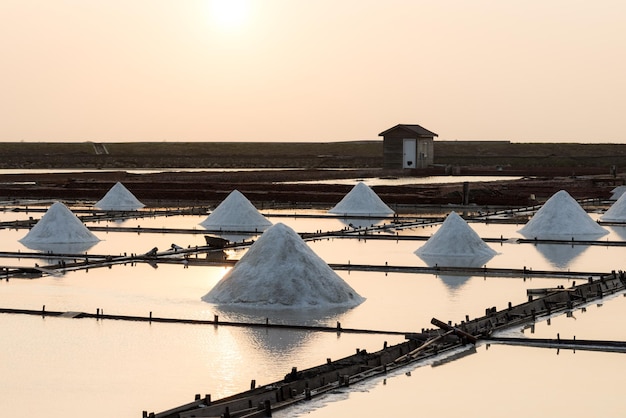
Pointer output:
x,y
408,153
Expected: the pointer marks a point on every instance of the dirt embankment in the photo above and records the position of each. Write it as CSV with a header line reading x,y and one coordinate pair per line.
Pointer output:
x,y
276,188
487,155
583,170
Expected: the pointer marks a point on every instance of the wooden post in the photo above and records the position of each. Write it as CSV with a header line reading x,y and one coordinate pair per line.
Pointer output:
x,y
268,408
458,332
466,189
252,384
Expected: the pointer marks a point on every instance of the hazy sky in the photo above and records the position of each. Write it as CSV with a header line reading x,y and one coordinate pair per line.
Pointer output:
x,y
311,70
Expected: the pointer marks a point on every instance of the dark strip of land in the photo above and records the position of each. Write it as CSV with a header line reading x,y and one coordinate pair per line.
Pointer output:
x,y
584,170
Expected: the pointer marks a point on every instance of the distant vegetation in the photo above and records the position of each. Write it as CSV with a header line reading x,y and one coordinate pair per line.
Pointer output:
x,y
354,154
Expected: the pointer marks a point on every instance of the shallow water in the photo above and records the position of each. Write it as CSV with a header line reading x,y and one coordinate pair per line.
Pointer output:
x,y
76,367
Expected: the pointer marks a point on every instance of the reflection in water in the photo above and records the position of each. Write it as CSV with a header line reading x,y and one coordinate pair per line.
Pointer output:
x,y
620,231
60,248
455,281
561,255
288,316
361,222
275,341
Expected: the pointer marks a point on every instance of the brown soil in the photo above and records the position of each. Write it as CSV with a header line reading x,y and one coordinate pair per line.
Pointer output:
x,y
268,188
584,170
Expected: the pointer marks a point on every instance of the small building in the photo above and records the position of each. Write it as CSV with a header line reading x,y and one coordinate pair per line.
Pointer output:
x,y
407,146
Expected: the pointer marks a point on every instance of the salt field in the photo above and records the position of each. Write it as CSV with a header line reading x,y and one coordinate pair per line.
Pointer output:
x,y
60,367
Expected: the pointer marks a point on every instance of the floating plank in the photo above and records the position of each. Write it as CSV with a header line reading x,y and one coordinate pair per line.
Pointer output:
x,y
589,345
71,314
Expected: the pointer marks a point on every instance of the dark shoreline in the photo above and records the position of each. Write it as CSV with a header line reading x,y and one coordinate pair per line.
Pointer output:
x,y
268,188
584,170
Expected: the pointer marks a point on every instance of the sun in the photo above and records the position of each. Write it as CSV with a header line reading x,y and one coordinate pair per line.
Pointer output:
x,y
229,14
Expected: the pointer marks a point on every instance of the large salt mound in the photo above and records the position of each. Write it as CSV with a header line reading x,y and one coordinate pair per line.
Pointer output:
x,y
561,216
119,198
236,213
280,270
361,200
455,238
617,211
59,226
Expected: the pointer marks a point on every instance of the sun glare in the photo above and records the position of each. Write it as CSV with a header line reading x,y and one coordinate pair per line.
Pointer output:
x,y
229,14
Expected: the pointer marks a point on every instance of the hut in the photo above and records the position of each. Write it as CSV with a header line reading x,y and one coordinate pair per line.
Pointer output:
x,y
407,146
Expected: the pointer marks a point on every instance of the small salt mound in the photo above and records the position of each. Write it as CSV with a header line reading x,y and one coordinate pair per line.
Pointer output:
x,y
281,270
561,216
617,211
456,238
361,200
119,198
59,226
617,192
236,213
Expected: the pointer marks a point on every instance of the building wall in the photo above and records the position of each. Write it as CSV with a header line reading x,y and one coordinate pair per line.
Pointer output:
x,y
393,150
425,152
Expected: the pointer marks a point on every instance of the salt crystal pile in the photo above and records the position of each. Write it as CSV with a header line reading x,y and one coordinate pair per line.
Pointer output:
x,y
119,198
280,270
236,213
617,192
361,200
455,244
58,226
561,217
617,211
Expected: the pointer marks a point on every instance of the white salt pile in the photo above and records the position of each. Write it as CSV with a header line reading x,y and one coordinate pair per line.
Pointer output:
x,y
617,211
236,213
119,198
280,270
59,226
361,200
561,217
455,244
617,192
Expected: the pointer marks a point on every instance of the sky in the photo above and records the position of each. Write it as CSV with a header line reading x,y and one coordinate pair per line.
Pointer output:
x,y
311,70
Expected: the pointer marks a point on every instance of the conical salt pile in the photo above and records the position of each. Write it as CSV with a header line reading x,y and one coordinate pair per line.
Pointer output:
x,y
617,211
59,226
236,213
361,200
617,192
561,216
280,270
119,198
455,238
